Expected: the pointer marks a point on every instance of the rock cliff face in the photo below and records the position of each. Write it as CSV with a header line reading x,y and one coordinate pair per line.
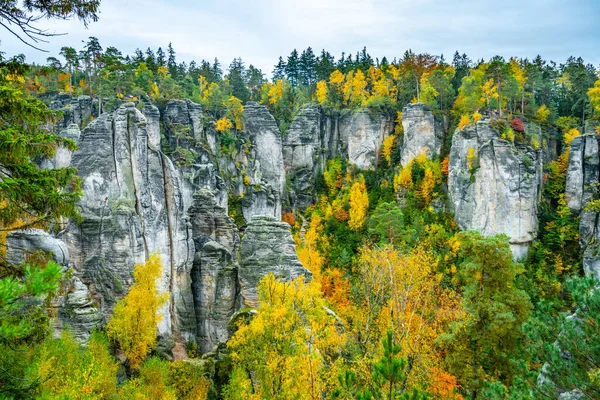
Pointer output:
x,y
423,133
316,135
267,248
582,187
493,185
138,201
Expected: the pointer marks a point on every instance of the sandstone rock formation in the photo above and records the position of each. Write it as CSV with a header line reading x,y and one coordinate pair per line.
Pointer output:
x,y
267,247
75,308
316,136
137,201
581,187
423,133
363,134
493,185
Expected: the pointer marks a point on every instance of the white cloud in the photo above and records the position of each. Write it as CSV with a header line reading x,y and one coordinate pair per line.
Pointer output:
x,y
261,30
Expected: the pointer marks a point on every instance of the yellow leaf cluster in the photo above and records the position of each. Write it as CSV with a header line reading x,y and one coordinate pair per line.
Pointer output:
x,y
276,91
570,135
154,92
476,117
403,293
542,113
404,178
426,188
236,109
387,148
162,71
289,347
398,128
359,203
464,121
594,96
223,124
321,92
471,158
135,318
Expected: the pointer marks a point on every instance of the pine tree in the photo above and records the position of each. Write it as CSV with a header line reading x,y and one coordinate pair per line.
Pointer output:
x,y
160,58
237,82
279,70
306,67
172,62
292,68
151,60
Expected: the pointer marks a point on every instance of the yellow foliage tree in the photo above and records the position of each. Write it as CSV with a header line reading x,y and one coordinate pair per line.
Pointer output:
x,y
359,203
276,91
387,148
289,347
570,135
464,121
542,114
404,178
162,71
476,117
236,110
594,95
398,128
223,124
403,293
135,318
425,191
308,252
154,92
354,89
471,158
321,92
489,91
68,371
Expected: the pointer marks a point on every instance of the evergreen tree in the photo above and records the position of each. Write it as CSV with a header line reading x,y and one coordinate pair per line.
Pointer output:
x,y
292,70
484,346
236,75
306,67
325,65
138,57
279,69
461,64
151,60
160,58
172,62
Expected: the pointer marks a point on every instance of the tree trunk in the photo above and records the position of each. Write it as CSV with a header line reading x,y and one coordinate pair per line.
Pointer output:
x,y
523,101
499,99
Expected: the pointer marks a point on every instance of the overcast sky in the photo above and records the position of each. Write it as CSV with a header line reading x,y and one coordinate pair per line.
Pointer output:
x,y
259,31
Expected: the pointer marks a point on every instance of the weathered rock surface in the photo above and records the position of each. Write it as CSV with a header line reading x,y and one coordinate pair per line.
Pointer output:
x,y
214,276
364,135
304,154
496,190
582,183
423,134
76,309
137,201
264,163
21,243
267,247
132,207
316,136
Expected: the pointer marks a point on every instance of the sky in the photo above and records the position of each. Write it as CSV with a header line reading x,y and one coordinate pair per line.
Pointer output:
x,y
259,31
